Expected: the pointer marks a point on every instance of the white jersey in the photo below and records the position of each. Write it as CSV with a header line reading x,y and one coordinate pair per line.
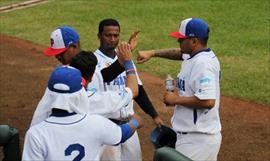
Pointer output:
x,y
98,84
199,76
103,103
75,137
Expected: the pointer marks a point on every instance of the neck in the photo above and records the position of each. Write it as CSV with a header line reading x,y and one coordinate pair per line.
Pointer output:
x,y
108,52
198,49
61,113
58,111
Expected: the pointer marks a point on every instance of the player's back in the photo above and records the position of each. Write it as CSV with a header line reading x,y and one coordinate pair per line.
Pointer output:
x,y
66,138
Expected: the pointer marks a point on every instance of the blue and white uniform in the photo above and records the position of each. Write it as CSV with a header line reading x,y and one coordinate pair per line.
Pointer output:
x,y
130,150
101,103
75,137
198,130
69,133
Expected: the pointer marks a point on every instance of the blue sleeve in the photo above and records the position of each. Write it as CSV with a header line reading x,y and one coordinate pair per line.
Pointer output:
x,y
126,132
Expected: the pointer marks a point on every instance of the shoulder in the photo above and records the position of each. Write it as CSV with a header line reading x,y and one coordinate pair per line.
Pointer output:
x,y
98,121
205,61
206,54
99,54
35,130
205,57
101,60
96,118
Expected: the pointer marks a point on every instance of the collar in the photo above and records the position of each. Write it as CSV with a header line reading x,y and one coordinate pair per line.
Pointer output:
x,y
105,53
61,113
203,50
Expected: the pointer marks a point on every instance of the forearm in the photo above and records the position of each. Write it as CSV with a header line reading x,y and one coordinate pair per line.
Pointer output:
x,y
111,72
172,53
144,102
194,102
128,129
131,81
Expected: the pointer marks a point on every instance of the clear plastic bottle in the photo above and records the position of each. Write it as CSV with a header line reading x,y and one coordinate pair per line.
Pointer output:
x,y
169,83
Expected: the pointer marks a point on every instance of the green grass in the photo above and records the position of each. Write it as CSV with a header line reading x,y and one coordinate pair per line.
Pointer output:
x,y
239,33
9,2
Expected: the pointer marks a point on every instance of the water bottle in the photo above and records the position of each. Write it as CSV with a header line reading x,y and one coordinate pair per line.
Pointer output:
x,y
169,83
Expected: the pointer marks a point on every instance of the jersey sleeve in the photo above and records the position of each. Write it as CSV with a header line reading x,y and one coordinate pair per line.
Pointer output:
x,y
32,148
109,101
109,133
144,102
111,72
204,80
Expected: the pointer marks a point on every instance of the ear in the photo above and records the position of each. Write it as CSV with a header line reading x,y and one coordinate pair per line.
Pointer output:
x,y
194,41
197,40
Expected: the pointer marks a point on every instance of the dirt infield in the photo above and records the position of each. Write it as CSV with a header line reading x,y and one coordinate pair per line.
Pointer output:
x,y
25,71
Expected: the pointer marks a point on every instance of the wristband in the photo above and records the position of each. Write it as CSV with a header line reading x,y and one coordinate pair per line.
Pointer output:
x,y
128,65
129,72
134,123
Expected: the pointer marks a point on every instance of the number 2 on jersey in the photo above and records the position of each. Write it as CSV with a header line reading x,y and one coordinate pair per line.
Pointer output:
x,y
75,147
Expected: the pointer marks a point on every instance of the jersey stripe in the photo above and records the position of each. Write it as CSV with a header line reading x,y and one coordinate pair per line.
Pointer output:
x,y
66,123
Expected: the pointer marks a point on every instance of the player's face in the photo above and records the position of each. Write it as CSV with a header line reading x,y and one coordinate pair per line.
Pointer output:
x,y
185,45
109,37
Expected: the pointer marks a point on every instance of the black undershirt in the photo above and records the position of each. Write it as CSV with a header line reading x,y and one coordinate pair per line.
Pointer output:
x,y
115,69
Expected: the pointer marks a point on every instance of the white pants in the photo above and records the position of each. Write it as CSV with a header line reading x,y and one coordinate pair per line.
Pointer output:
x,y
199,146
127,151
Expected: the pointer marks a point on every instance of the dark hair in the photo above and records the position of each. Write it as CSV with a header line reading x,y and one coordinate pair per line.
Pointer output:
x,y
204,40
85,62
107,22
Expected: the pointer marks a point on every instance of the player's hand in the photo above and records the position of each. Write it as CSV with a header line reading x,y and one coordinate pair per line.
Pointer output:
x,y
124,52
139,119
144,56
170,98
133,40
158,121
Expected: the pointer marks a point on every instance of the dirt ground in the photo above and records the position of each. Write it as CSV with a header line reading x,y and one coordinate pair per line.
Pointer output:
x,y
24,72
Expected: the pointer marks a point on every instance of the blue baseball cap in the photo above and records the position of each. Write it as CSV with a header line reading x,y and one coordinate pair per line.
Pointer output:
x,y
191,27
65,79
61,39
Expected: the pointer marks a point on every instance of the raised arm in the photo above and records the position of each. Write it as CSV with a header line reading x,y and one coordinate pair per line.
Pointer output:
x,y
133,40
112,71
172,53
124,55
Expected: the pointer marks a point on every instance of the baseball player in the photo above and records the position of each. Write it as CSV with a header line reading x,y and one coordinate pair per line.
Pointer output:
x,y
196,116
68,135
85,62
108,34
